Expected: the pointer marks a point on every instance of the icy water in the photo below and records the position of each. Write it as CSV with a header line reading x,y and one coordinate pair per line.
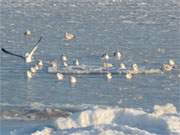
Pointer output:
x,y
143,30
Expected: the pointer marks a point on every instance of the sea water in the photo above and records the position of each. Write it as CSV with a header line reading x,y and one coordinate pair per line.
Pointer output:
x,y
146,32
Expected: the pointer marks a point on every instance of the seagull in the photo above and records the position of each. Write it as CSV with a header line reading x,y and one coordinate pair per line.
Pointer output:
x,y
109,76
105,56
69,36
60,76
36,67
28,33
76,62
122,66
65,64
40,64
118,55
129,76
168,67
72,79
33,70
107,65
135,68
28,55
64,58
172,62
29,74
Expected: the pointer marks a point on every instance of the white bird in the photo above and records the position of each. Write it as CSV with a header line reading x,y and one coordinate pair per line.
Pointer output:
x,y
72,79
28,74
129,76
122,66
167,67
27,33
65,64
53,64
36,67
105,56
60,76
28,55
107,65
109,76
64,58
40,63
69,36
76,62
118,55
172,62
33,70
135,68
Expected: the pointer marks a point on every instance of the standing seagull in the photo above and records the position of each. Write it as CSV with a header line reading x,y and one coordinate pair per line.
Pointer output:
x,y
29,74
60,76
72,79
27,33
105,56
28,55
109,76
118,55
169,66
64,58
76,62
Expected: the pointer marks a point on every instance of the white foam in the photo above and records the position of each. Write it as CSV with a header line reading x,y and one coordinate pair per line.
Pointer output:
x,y
105,130
161,110
174,124
122,121
111,132
45,131
103,116
66,123
88,118
166,112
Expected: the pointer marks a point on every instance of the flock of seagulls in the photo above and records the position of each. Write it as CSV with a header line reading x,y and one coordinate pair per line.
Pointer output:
x,y
134,70
117,55
53,65
33,70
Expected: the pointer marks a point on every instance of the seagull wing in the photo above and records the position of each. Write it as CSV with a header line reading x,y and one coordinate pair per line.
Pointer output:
x,y
35,48
7,52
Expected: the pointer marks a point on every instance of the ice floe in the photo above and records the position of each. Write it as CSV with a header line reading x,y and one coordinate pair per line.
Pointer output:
x,y
45,131
164,120
108,120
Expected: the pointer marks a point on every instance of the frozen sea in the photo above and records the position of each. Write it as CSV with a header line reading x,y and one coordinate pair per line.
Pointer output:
x,y
147,32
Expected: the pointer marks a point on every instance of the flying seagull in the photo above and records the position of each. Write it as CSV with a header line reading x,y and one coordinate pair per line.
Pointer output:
x,y
28,55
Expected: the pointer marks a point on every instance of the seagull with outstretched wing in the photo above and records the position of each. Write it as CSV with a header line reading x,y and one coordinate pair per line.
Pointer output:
x,y
28,55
